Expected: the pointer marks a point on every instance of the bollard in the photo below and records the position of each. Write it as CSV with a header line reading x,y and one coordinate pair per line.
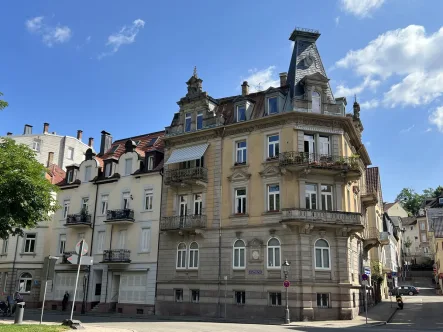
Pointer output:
x,y
19,310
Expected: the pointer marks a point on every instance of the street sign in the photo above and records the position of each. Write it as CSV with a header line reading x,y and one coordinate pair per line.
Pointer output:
x,y
364,283
85,247
84,260
367,270
364,277
394,274
286,283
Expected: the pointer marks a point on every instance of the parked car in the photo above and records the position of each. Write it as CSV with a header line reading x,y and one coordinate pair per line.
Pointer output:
x,y
405,290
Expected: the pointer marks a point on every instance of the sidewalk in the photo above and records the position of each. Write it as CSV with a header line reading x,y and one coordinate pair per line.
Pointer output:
x,y
88,327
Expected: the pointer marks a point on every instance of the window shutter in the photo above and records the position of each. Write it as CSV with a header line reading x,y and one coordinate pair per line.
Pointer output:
x,y
301,141
335,145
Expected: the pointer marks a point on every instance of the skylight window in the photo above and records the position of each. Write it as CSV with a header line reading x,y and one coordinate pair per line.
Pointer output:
x,y
152,141
114,148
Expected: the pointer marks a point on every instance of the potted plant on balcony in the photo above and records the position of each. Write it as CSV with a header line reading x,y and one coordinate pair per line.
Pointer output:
x,y
353,161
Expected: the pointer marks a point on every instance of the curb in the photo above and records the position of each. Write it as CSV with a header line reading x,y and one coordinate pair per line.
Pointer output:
x,y
392,316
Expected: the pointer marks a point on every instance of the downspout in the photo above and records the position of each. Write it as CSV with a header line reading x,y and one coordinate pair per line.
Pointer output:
x,y
220,224
13,266
158,242
107,271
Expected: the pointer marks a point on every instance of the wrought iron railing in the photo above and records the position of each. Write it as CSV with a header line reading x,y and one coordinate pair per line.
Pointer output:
x,y
66,255
117,256
123,214
322,216
78,218
179,175
183,222
318,160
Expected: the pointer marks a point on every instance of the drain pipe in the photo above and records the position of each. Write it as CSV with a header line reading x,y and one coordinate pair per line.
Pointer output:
x,y
158,244
220,225
107,271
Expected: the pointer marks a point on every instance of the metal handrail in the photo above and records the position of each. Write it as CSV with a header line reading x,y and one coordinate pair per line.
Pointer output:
x,y
78,218
122,214
183,222
317,160
322,216
178,175
117,255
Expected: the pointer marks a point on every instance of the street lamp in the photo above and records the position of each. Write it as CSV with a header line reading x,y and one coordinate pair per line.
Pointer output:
x,y
286,266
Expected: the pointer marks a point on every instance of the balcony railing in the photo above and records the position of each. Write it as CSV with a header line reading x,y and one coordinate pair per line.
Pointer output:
x,y
186,174
78,219
183,222
66,255
295,158
117,256
117,215
384,238
337,217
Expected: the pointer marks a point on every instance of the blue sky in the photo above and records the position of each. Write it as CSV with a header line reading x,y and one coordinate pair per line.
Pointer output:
x,y
122,66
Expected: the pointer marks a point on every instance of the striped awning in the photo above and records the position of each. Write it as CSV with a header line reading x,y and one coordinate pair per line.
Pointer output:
x,y
188,153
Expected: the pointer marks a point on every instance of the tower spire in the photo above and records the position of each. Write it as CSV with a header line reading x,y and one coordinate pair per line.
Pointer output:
x,y
195,72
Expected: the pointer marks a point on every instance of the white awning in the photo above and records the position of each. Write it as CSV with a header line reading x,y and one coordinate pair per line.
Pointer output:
x,y
189,153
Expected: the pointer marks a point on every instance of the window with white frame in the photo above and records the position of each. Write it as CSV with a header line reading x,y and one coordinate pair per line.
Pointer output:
x,y
198,204
122,239
62,244
150,163
193,256
241,113
85,204
70,155
199,120
326,197
36,146
29,243
25,283
5,246
104,204
66,204
423,237
70,176
100,241
309,144
188,121
273,197
183,202
149,199
272,105
275,299
128,166
240,152
324,143
88,173
240,297
108,170
145,239
316,102
323,300
311,196
274,253
239,253
240,201
273,146
195,295
126,200
181,256
322,255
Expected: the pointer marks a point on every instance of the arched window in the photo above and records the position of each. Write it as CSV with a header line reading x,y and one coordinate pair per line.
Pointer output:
x,y
25,283
239,255
322,255
193,255
181,256
274,253
316,102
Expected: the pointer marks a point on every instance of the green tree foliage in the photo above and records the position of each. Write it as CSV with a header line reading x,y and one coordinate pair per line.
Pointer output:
x,y
3,104
26,196
412,201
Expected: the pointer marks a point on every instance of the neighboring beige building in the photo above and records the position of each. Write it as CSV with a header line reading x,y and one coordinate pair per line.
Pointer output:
x,y
257,179
112,200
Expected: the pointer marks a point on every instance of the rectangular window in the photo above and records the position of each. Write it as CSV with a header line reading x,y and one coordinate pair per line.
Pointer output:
x,y
104,204
198,204
183,200
240,201
36,146
149,199
273,146
239,256
423,237
200,162
322,300
70,176
108,170
85,204
199,120
128,166
126,200
195,296
188,121
273,197
178,295
272,105
100,241
25,283
355,203
326,197
240,297
29,243
5,246
241,113
145,239
70,155
324,146
88,173
311,196
62,244
275,299
241,151
309,144
122,239
422,226
150,163
181,256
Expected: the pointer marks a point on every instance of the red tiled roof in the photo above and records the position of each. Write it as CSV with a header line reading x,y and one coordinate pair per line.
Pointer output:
x,y
372,177
55,174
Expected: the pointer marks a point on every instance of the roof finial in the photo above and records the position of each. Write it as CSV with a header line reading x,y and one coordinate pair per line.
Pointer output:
x,y
195,72
355,98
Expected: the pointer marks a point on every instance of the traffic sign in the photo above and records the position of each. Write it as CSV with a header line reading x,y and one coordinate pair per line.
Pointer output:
x,y
367,270
84,260
394,274
85,247
286,283
364,277
389,275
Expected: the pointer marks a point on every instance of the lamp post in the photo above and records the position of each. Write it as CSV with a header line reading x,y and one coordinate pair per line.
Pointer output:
x,y
286,266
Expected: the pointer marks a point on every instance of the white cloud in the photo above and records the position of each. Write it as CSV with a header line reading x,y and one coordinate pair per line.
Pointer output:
x,y
436,118
262,79
407,130
337,20
88,39
361,8
50,34
348,92
373,103
428,130
125,36
368,143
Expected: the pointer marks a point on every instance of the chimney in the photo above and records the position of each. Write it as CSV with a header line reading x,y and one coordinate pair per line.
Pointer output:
x,y
50,159
245,88
8,133
27,130
106,142
45,128
283,78
79,134
91,142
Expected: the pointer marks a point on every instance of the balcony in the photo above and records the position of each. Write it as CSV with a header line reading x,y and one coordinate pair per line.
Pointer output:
x,y
78,220
321,217
191,222
384,238
320,164
116,256
66,255
371,237
369,198
189,176
123,216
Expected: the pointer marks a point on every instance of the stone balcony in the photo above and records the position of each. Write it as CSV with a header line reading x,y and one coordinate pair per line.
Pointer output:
x,y
78,220
322,218
369,198
186,176
122,216
116,256
179,223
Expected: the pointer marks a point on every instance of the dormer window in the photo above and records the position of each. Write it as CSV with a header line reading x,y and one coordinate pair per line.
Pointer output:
x,y
70,176
199,120
108,169
150,163
272,105
241,113
188,120
316,102
88,173
128,166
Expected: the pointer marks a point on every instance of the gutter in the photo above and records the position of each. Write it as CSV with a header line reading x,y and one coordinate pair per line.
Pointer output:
x,y
158,242
220,225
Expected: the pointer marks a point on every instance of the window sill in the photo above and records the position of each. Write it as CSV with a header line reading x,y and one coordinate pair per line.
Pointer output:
x,y
319,269
28,253
270,213
144,211
238,165
239,216
144,252
272,268
271,160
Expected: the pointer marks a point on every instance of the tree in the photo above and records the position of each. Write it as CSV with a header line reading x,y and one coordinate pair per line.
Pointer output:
x,y
3,104
410,200
26,196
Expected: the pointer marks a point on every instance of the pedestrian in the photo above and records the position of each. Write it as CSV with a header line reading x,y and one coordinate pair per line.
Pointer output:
x,y
65,301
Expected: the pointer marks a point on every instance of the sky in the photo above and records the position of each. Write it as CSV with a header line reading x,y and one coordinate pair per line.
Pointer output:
x,y
121,66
